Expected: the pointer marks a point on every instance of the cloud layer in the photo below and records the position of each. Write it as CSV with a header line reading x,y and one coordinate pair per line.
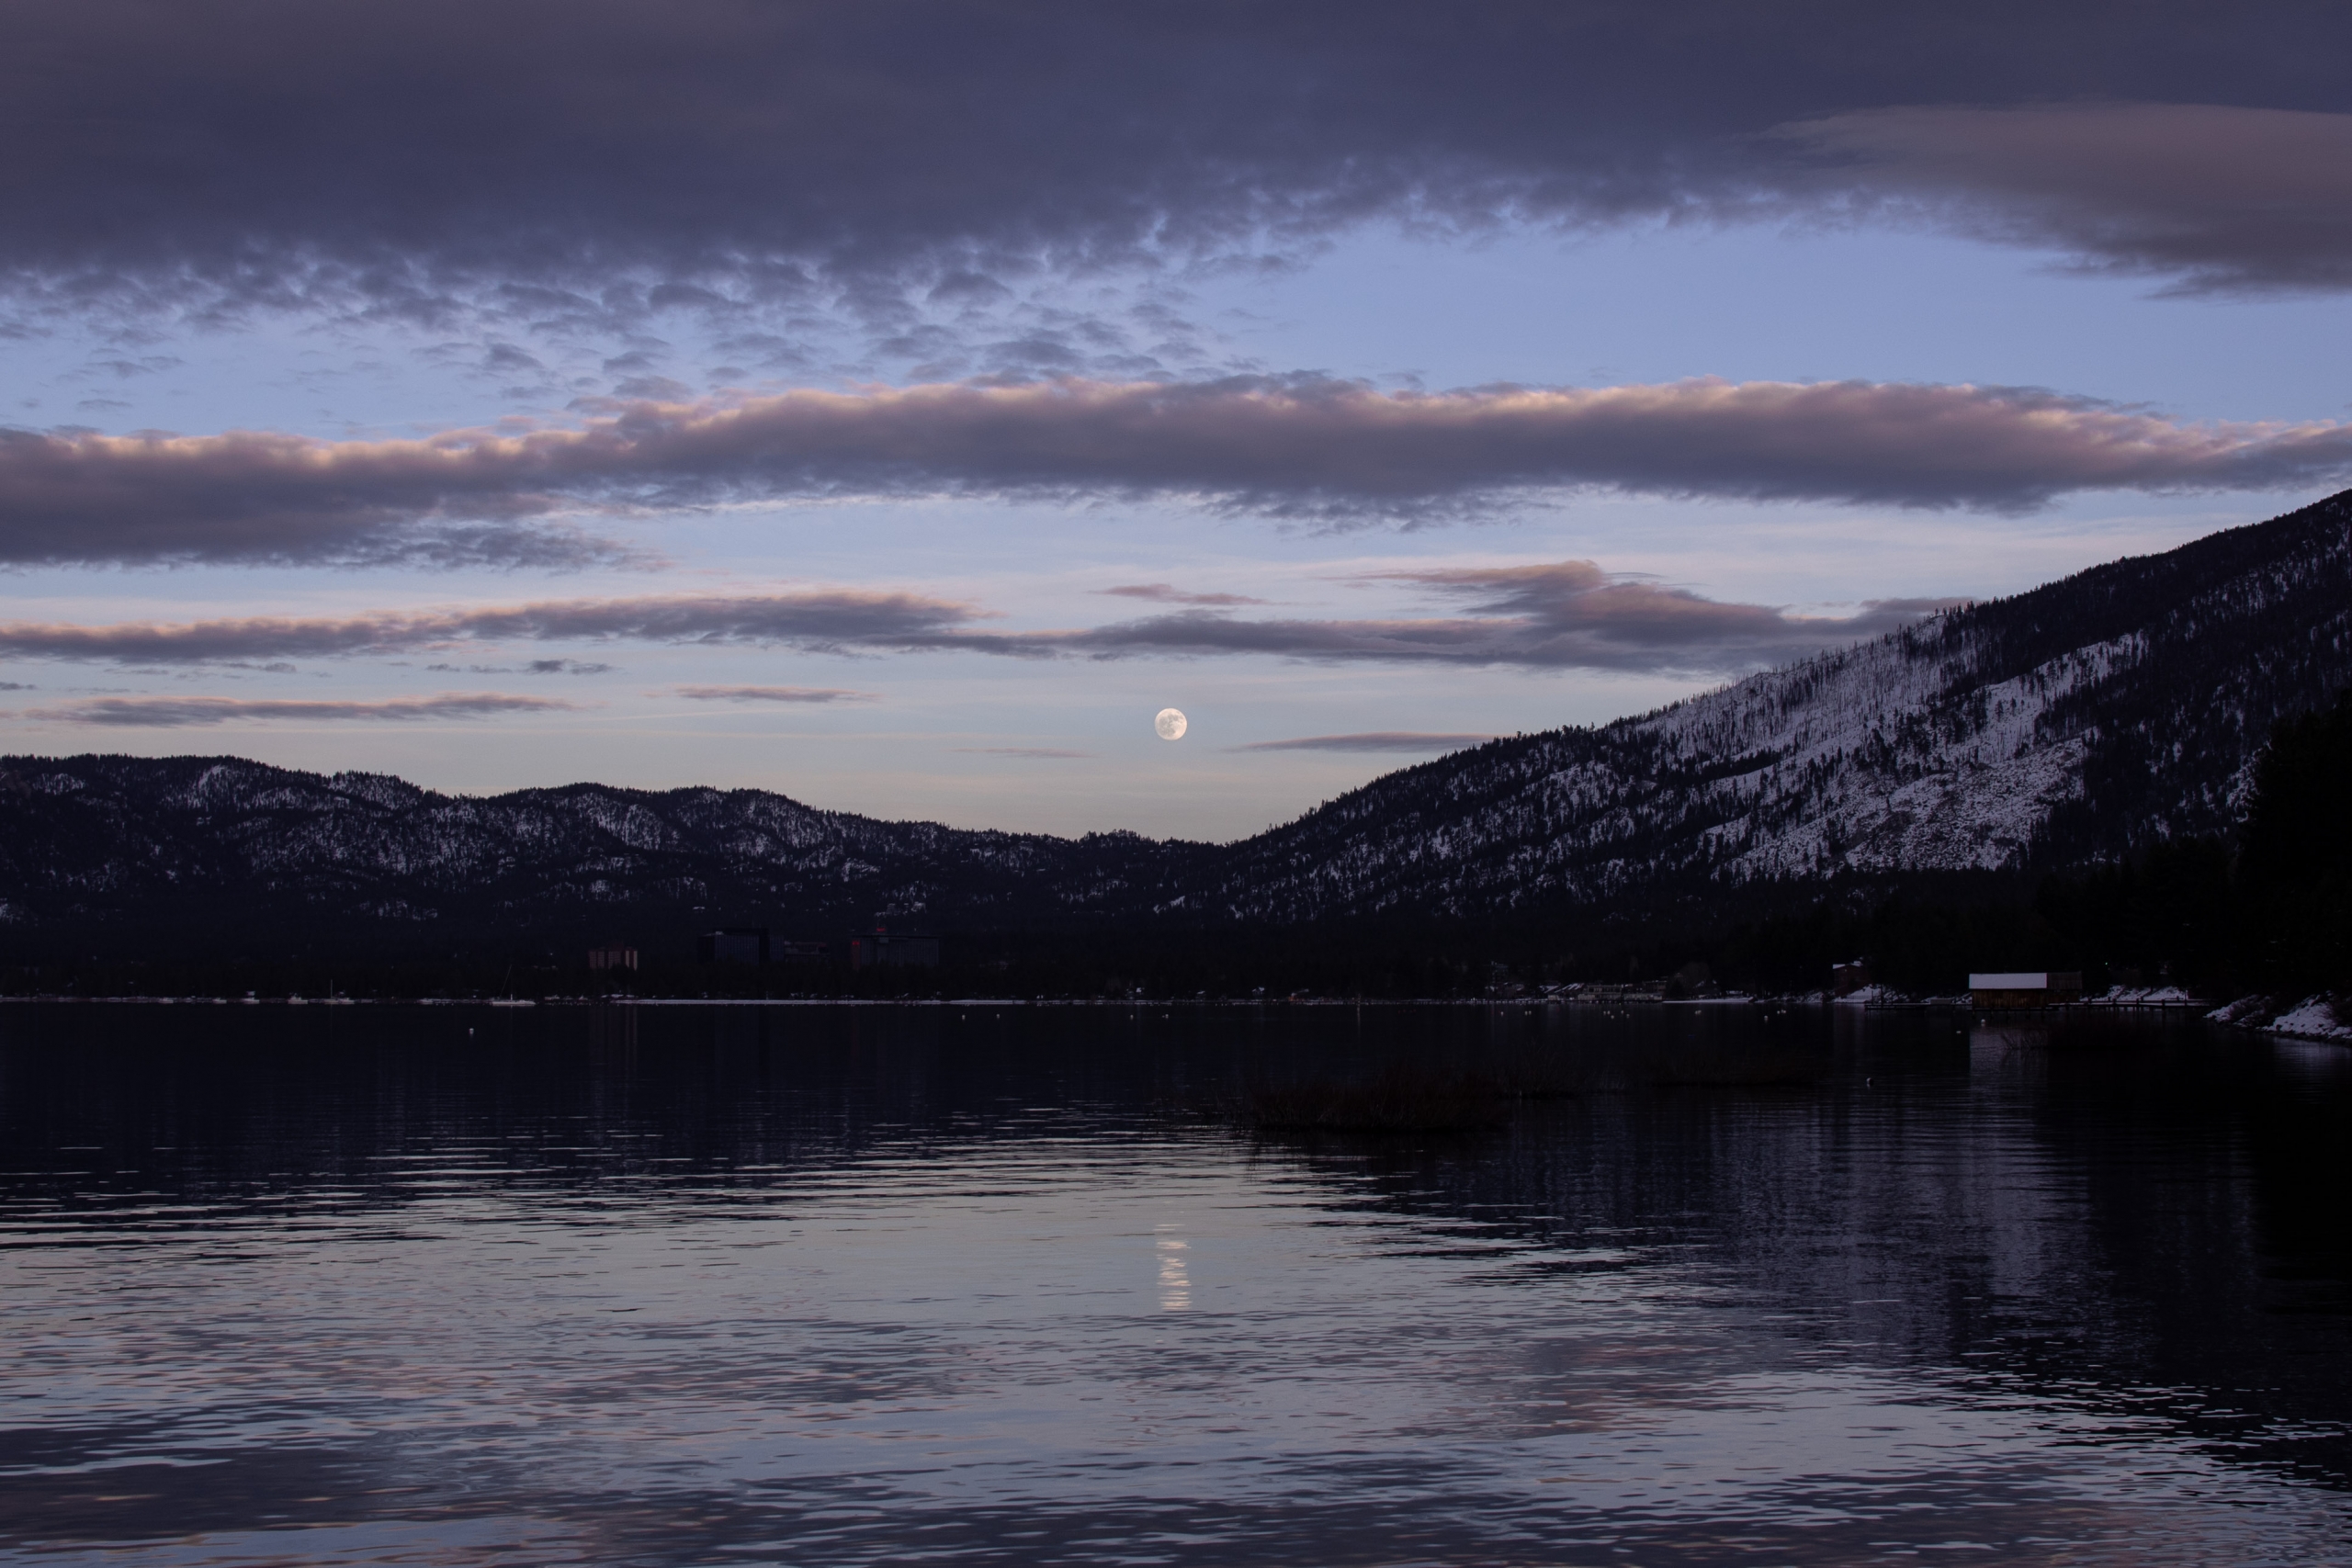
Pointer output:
x,y
174,713
825,622
1564,615
1333,451
1167,593
2219,200
603,157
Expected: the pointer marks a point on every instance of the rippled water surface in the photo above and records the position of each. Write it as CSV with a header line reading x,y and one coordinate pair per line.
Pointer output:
x,y
998,1285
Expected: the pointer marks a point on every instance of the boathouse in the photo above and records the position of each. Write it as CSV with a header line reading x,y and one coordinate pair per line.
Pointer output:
x,y
2032,989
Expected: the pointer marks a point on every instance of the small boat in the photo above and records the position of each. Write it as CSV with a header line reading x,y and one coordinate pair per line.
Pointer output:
x,y
510,999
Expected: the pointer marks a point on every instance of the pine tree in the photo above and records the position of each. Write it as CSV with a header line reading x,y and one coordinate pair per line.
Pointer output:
x,y
2295,866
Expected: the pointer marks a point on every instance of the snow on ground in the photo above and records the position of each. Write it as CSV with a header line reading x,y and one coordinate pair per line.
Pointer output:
x,y
2313,1019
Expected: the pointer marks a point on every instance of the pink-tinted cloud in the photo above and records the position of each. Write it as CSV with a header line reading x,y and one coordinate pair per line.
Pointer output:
x,y
825,621
1565,614
1301,447
249,496
171,712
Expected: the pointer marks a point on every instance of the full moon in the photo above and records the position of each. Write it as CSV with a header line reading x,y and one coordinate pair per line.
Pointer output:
x,y
1169,722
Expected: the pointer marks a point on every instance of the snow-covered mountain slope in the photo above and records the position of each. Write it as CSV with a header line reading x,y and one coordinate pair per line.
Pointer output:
x,y
2097,713
2118,706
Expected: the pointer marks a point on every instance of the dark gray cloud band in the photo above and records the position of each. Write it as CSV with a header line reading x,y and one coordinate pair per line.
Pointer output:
x,y
1328,450
559,157
2219,199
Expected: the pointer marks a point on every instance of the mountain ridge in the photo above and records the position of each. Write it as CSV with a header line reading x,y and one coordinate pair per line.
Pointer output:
x,y
2080,721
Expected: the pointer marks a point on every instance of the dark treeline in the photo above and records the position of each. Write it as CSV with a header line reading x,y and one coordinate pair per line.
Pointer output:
x,y
2269,911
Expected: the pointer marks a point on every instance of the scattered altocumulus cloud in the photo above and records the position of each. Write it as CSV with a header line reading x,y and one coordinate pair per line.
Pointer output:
x,y
1335,452
700,156
171,712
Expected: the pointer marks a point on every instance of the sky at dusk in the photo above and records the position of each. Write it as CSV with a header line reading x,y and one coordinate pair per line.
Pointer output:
x,y
897,405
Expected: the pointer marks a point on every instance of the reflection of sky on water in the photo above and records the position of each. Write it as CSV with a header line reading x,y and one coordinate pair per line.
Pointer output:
x,y
871,1290
2314,1060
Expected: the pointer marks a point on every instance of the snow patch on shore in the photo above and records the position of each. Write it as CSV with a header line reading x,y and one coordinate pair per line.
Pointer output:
x,y
2313,1018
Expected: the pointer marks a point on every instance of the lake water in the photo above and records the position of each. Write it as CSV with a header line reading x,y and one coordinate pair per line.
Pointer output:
x,y
998,1285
